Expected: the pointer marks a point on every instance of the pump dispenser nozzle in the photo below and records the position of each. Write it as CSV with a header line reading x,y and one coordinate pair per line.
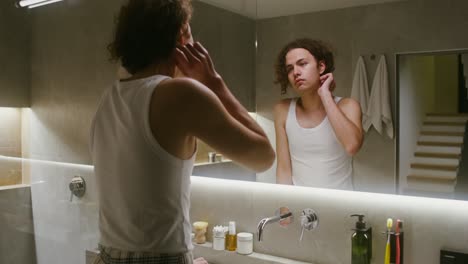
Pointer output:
x,y
360,224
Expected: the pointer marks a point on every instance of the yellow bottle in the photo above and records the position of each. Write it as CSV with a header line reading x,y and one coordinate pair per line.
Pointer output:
x,y
231,238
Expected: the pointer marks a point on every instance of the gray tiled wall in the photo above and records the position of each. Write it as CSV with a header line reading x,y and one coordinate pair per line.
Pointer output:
x,y
15,47
16,226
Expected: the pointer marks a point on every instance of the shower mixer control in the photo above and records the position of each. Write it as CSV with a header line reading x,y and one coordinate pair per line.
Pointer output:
x,y
309,221
77,187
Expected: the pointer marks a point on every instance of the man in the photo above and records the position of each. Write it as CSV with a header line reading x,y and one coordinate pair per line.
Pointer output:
x,y
143,136
316,134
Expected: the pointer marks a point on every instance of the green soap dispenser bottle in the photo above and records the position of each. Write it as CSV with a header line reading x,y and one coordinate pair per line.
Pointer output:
x,y
361,242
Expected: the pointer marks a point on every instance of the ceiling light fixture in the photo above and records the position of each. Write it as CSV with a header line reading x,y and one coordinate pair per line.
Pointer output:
x,y
35,3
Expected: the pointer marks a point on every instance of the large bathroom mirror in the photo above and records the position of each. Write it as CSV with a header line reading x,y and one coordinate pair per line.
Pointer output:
x,y
371,29
64,60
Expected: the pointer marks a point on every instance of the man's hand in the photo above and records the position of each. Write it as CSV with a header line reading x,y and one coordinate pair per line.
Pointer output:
x,y
327,85
200,261
195,62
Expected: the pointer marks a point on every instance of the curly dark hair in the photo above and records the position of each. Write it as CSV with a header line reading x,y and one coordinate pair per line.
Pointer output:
x,y
147,31
319,49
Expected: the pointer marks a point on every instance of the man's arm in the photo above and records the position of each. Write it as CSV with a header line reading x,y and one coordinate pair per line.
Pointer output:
x,y
283,158
215,116
345,117
195,62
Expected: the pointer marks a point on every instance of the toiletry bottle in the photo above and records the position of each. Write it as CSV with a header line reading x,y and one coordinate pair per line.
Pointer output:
x,y
231,239
200,231
219,237
244,243
360,242
396,242
399,242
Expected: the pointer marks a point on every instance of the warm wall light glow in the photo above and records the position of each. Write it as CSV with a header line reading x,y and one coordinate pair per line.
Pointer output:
x,y
8,110
47,162
10,117
13,186
379,199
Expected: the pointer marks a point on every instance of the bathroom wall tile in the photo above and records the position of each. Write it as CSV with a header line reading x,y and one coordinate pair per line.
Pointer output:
x,y
10,131
63,229
10,171
15,55
330,242
65,92
16,226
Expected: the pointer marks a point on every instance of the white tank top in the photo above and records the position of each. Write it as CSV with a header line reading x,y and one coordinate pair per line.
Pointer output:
x,y
143,191
317,157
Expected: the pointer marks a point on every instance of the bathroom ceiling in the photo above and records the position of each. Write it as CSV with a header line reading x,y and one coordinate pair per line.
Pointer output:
x,y
277,8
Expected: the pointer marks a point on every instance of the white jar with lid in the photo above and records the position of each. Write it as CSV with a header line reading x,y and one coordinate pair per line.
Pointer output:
x,y
219,235
244,243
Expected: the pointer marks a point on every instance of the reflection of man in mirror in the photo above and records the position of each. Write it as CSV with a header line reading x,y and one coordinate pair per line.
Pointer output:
x,y
317,133
143,136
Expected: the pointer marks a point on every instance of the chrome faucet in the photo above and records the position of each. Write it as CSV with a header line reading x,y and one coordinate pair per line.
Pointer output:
x,y
267,220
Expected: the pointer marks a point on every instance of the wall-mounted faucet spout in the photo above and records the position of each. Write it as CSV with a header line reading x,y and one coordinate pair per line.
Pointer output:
x,y
265,221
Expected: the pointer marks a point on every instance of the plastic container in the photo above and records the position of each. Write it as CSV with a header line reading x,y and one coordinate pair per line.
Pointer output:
x,y
244,243
219,237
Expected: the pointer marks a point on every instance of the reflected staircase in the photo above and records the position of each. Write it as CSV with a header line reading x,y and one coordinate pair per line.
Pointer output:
x,y
464,62
436,161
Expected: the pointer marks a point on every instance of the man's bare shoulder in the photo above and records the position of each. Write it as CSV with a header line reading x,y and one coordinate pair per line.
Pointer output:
x,y
182,86
280,110
183,91
282,106
179,103
349,104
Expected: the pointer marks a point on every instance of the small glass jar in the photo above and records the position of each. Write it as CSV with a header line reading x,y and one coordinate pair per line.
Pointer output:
x,y
244,243
200,230
211,157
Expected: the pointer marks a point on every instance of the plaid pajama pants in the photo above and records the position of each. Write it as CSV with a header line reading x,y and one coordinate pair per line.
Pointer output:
x,y
114,256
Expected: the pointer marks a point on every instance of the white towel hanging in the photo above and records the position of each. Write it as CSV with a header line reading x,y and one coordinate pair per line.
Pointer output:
x,y
360,88
379,111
